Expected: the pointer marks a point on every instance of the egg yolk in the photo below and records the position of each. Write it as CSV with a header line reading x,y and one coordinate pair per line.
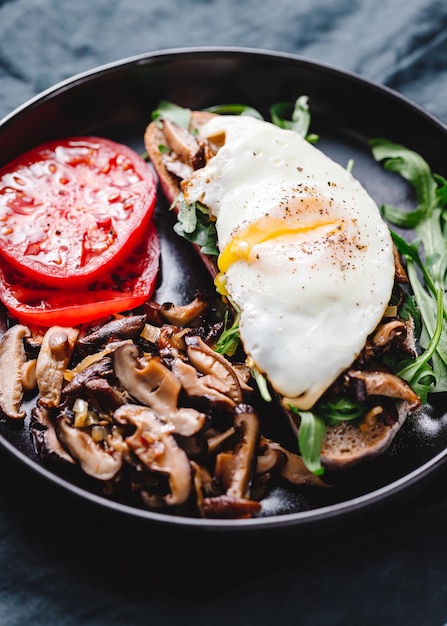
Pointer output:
x,y
266,229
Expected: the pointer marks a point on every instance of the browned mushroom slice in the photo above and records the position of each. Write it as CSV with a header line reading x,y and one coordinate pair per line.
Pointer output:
x,y
209,387
153,444
269,459
103,395
44,435
55,354
175,166
386,333
29,379
184,144
400,273
293,469
12,362
203,482
101,368
93,459
126,327
184,315
215,440
155,386
234,469
378,383
227,507
207,361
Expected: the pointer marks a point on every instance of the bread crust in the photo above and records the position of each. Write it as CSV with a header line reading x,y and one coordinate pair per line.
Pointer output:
x,y
154,138
170,184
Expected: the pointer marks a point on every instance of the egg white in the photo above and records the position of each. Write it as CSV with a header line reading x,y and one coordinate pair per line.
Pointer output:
x,y
304,253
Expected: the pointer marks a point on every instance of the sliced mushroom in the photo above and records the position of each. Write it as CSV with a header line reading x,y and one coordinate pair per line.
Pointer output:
x,y
153,444
94,460
184,315
101,368
208,386
409,343
207,361
90,359
203,482
216,439
44,435
184,144
269,460
386,333
126,327
378,383
12,364
54,356
103,395
175,166
28,375
155,386
171,339
293,470
400,273
234,469
224,506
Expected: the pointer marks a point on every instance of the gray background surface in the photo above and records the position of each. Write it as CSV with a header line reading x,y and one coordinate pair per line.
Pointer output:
x,y
71,567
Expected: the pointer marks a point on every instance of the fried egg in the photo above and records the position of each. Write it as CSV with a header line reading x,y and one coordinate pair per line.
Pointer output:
x,y
304,253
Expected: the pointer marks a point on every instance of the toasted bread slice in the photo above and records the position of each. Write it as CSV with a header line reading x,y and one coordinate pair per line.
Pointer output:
x,y
344,445
347,445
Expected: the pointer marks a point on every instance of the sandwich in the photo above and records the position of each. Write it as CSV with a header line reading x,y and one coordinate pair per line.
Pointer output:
x,y
300,253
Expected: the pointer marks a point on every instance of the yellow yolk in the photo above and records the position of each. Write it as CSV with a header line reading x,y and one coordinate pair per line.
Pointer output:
x,y
266,229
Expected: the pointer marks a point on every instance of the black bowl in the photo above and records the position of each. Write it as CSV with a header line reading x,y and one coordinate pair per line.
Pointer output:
x,y
116,101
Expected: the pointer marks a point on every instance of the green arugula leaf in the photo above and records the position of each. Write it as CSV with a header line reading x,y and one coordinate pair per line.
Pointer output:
x,y
312,431
340,410
300,117
169,111
313,425
413,168
234,109
417,372
228,341
194,225
426,260
261,383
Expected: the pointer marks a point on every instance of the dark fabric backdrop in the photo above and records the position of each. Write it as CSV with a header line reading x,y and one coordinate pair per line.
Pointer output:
x,y
69,569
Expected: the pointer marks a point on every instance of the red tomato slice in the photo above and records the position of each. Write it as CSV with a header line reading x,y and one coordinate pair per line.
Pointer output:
x,y
74,208
126,287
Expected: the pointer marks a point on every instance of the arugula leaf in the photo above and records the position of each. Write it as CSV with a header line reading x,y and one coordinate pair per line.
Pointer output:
x,y
194,225
300,117
229,338
313,424
261,383
234,109
417,372
425,257
311,433
170,111
340,410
